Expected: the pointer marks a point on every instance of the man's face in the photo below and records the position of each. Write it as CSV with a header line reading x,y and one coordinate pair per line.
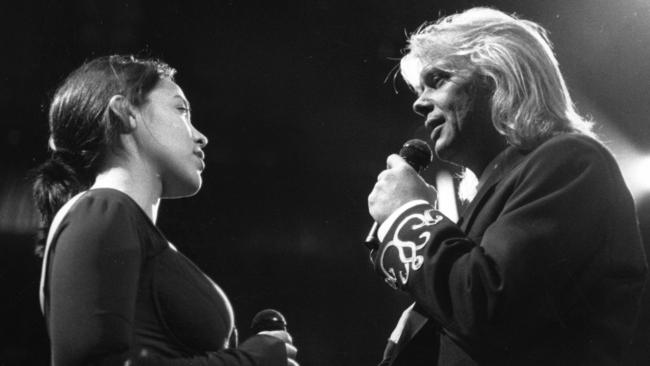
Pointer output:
x,y
456,117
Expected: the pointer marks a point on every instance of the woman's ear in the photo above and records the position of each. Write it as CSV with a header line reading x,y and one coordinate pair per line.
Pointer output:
x,y
121,113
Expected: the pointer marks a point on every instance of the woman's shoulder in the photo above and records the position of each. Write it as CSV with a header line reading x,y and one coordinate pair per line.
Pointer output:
x,y
104,203
103,212
107,196
107,212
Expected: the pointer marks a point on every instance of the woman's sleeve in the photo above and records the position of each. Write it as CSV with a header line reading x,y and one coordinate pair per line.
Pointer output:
x,y
94,280
258,350
93,283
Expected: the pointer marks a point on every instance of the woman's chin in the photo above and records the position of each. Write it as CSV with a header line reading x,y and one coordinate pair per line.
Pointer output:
x,y
186,188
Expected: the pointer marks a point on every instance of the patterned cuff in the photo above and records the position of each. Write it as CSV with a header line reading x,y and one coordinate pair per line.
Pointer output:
x,y
404,239
386,225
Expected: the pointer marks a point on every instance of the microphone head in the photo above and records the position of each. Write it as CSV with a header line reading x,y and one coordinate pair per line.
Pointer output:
x,y
417,153
268,319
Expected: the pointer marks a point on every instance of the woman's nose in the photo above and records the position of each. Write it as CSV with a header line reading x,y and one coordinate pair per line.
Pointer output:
x,y
200,138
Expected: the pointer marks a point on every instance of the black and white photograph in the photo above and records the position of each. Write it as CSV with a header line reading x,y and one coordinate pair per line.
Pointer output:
x,y
325,183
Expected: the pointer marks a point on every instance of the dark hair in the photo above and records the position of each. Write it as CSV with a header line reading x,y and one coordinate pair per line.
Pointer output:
x,y
83,127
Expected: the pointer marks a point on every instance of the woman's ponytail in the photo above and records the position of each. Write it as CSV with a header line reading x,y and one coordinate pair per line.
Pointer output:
x,y
55,182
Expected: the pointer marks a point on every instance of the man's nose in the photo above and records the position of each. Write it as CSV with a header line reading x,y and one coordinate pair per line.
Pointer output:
x,y
422,106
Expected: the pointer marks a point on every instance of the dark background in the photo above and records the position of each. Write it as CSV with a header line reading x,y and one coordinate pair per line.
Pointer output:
x,y
300,107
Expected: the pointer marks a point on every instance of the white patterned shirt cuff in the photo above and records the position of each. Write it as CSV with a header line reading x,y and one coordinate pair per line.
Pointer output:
x,y
385,226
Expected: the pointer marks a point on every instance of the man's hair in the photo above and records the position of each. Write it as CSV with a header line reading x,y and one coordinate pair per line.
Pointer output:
x,y
530,102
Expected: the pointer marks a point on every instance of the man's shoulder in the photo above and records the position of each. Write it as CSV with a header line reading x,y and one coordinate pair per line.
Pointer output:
x,y
567,141
575,147
570,156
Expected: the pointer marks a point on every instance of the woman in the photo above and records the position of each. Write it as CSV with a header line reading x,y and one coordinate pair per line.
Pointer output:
x,y
113,289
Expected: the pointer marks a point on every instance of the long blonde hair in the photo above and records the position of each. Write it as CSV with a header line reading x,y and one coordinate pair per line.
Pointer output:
x,y
530,102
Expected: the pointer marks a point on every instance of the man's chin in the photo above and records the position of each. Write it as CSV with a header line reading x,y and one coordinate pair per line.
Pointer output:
x,y
441,149
444,152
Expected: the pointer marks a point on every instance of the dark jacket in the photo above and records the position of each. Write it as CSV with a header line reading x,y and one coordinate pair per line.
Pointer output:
x,y
544,267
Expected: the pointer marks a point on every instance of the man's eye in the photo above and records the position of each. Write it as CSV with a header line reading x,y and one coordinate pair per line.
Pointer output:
x,y
437,79
183,109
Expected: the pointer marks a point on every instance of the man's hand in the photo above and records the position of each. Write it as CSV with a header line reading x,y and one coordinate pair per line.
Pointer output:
x,y
395,186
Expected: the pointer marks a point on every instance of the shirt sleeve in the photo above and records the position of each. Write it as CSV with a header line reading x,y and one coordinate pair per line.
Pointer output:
x,y
93,284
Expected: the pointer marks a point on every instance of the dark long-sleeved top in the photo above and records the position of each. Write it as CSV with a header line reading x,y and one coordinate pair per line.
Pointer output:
x,y
116,290
544,267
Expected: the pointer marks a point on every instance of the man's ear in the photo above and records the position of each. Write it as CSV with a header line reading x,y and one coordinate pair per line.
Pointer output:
x,y
121,113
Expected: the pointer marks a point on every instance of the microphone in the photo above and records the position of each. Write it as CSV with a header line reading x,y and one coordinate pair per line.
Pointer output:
x,y
268,319
418,155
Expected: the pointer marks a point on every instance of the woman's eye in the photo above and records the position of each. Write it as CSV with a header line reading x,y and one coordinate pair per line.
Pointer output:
x,y
183,109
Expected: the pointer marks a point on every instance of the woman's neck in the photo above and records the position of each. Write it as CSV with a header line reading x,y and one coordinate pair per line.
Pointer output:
x,y
144,190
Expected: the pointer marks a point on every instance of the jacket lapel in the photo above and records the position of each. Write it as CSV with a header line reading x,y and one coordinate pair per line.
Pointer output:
x,y
497,169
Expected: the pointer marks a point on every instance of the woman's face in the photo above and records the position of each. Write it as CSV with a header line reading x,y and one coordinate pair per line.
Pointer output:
x,y
169,142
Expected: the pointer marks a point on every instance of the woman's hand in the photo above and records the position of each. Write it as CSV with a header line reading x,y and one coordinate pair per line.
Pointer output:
x,y
288,343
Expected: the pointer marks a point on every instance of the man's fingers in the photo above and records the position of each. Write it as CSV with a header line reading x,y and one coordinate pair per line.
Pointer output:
x,y
395,161
291,351
433,195
382,175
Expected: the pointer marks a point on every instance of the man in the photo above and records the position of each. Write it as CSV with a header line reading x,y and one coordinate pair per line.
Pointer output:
x,y
545,265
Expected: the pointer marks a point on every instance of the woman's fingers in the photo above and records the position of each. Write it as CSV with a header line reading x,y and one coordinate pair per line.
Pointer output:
x,y
292,351
280,334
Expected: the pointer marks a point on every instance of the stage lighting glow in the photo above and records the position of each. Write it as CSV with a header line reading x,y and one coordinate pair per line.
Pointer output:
x,y
637,175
